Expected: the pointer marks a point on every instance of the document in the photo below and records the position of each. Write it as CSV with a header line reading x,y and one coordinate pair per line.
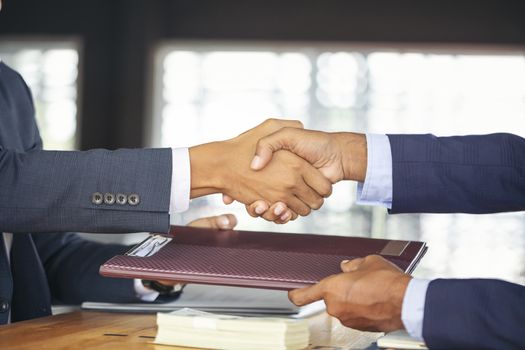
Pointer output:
x,y
252,259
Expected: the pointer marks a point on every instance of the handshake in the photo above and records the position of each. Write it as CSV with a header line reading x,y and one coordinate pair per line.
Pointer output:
x,y
278,169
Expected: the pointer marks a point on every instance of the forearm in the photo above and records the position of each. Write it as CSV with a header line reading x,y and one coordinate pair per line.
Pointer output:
x,y
207,168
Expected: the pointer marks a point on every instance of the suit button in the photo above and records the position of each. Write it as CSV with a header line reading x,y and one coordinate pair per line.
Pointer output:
x,y
4,306
97,198
109,198
133,199
122,198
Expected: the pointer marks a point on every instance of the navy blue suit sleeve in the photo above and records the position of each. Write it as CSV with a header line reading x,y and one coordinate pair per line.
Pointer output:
x,y
474,314
460,174
72,263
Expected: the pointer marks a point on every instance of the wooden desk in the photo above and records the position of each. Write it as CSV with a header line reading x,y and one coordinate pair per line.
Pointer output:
x,y
98,330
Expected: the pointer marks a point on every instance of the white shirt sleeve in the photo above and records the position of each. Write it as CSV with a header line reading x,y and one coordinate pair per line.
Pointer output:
x,y
144,293
413,309
377,189
179,202
180,180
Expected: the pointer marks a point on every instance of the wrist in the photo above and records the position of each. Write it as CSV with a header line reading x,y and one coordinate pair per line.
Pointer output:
x,y
399,289
354,155
206,176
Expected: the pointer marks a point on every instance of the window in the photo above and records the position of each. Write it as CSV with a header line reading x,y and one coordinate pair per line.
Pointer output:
x,y
51,71
211,92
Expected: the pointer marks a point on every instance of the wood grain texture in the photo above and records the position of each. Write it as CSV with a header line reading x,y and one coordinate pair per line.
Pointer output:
x,y
98,330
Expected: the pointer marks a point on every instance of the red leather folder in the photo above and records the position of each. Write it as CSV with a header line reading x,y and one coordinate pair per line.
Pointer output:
x,y
252,259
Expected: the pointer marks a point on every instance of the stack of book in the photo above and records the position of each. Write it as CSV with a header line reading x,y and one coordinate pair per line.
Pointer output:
x,y
198,329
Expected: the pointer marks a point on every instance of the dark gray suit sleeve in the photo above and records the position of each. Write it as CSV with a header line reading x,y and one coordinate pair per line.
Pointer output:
x,y
71,264
51,191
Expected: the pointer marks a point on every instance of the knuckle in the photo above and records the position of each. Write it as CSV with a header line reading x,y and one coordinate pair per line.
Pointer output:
x,y
287,130
273,122
373,258
298,124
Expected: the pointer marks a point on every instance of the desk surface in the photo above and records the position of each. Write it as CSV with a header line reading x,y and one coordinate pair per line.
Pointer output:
x,y
98,330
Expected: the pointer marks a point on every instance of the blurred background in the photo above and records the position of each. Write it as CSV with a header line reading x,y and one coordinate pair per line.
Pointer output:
x,y
170,73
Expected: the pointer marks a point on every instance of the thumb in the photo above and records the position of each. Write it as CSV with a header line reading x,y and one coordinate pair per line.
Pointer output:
x,y
285,138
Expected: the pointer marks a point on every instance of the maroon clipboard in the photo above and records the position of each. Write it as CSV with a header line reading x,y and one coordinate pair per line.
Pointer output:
x,y
252,259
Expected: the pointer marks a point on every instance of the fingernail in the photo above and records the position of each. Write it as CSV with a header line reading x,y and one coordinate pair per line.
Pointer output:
x,y
345,261
256,162
259,209
224,221
285,216
278,209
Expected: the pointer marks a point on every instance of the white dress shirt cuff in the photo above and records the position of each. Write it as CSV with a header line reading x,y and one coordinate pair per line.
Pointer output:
x,y
144,293
180,180
413,310
377,189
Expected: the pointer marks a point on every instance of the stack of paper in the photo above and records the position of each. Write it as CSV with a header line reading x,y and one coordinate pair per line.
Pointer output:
x,y
198,329
400,340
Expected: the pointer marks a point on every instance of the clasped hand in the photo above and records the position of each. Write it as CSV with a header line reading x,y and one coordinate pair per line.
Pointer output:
x,y
288,185
336,156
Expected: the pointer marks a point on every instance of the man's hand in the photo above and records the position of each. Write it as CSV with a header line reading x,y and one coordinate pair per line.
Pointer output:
x,y
368,295
339,156
223,167
220,222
